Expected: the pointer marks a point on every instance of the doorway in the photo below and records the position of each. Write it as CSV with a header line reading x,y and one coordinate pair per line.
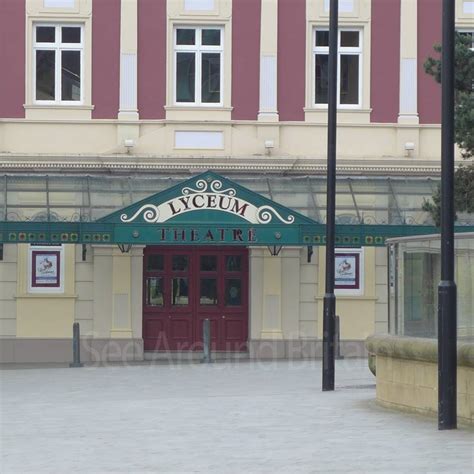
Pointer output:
x,y
183,286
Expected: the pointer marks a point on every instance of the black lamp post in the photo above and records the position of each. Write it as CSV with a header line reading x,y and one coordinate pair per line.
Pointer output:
x,y
329,321
447,313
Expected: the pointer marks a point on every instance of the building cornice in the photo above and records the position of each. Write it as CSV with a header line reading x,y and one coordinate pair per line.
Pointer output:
x,y
127,164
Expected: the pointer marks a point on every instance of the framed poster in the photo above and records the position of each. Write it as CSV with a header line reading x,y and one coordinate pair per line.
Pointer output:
x,y
349,271
46,269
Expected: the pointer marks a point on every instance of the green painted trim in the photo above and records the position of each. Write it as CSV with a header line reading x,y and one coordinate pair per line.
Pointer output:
x,y
147,234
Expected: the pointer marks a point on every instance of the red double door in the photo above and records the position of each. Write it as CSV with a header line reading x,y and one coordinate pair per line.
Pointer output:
x,y
184,286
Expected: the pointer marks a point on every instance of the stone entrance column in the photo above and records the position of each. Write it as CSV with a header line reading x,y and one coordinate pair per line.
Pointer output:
x,y
118,303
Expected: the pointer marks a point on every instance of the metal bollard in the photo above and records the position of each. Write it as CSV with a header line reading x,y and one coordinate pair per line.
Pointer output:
x,y
206,341
338,339
76,348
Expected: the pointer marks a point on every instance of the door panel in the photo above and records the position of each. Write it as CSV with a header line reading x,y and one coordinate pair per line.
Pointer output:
x,y
184,286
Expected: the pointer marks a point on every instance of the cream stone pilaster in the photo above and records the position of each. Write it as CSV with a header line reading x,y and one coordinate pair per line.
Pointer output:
x,y
128,72
103,267
128,60
117,289
256,256
290,292
136,290
272,320
121,294
268,61
408,63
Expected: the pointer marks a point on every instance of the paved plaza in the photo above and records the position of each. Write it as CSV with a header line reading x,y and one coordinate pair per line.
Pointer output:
x,y
227,417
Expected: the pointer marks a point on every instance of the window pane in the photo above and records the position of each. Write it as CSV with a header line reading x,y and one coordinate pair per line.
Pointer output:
x,y
71,34
322,38
45,63
233,292
154,292
321,75
349,79
185,36
71,75
185,77
180,295
208,263
233,263
208,291
211,37
155,263
350,39
211,77
180,263
45,34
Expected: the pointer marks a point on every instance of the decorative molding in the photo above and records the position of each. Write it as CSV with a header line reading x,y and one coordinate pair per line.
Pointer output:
x,y
191,166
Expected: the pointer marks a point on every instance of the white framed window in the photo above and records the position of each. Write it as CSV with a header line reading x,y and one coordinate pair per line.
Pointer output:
x,y
58,52
349,68
198,65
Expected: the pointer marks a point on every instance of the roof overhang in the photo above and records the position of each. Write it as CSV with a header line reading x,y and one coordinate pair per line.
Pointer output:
x,y
207,209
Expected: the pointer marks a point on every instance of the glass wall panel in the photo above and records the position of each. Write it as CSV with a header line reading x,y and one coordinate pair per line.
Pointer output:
x,y
414,275
378,200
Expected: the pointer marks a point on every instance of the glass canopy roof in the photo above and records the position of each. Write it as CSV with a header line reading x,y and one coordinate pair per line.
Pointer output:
x,y
360,200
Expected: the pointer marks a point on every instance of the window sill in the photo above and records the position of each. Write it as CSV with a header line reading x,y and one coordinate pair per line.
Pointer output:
x,y
198,113
59,106
319,115
58,112
40,295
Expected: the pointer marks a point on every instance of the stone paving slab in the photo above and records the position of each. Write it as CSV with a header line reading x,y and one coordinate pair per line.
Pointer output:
x,y
229,417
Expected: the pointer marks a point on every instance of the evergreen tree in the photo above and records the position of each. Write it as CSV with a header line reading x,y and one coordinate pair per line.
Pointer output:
x,y
464,124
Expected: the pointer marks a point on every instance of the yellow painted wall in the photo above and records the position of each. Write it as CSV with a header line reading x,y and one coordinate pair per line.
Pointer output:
x,y
357,313
45,315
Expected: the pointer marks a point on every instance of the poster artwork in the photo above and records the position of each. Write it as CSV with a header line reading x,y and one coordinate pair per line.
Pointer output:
x,y
46,269
347,271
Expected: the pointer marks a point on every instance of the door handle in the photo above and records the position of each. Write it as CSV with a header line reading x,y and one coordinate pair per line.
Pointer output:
x,y
223,317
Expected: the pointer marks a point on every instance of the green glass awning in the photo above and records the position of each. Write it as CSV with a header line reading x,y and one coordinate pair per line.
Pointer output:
x,y
209,209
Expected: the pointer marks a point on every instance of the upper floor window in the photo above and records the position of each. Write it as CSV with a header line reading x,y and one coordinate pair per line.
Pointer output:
x,y
57,63
198,65
349,67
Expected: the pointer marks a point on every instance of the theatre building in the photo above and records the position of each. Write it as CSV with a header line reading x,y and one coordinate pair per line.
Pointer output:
x,y
163,162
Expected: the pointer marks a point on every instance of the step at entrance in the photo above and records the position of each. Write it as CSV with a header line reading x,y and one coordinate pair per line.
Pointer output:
x,y
187,356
